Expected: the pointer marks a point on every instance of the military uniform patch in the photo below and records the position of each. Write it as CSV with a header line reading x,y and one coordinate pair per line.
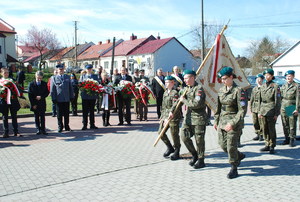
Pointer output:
x,y
197,97
243,103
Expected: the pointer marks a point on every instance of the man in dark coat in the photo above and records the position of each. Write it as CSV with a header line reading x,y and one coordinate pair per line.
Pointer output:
x,y
158,88
20,78
123,100
37,93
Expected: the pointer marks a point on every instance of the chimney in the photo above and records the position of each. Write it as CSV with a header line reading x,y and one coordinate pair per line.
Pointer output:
x,y
158,37
108,41
132,37
100,42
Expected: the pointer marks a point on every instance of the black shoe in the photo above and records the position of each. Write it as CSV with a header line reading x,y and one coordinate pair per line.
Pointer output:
x,y
120,124
18,134
59,130
129,124
266,148
272,151
68,129
176,155
292,142
75,114
93,127
261,138
241,157
194,160
44,132
232,173
38,132
297,138
84,128
5,135
199,164
256,138
285,142
53,115
169,151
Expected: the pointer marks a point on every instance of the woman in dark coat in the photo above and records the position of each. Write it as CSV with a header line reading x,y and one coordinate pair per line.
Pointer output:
x,y
74,83
37,93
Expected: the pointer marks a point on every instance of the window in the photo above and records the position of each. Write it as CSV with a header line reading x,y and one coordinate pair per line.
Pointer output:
x,y
115,64
0,49
279,73
106,64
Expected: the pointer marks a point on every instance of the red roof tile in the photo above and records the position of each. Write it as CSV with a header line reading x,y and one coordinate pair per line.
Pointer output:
x,y
61,53
94,51
151,46
127,46
6,28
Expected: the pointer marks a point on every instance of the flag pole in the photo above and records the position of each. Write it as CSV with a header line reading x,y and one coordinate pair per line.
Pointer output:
x,y
179,104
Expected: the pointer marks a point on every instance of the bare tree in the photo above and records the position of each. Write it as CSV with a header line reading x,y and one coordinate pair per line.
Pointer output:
x,y
262,52
43,40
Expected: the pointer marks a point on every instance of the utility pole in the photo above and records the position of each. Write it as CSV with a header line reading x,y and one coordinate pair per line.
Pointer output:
x,y
113,57
75,24
202,35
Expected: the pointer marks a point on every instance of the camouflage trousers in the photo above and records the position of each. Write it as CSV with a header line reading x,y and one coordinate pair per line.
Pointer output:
x,y
289,124
174,129
228,142
257,123
187,132
269,130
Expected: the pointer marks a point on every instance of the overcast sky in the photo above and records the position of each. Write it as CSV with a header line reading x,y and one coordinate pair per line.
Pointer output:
x,y
99,20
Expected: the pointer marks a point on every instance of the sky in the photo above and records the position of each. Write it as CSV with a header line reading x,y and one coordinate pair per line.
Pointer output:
x,y
99,20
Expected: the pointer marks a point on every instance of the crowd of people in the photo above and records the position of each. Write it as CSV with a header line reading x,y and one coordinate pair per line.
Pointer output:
x,y
171,92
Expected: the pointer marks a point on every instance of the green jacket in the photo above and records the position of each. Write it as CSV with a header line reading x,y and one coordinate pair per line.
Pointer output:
x,y
254,100
269,104
195,101
169,100
289,96
230,107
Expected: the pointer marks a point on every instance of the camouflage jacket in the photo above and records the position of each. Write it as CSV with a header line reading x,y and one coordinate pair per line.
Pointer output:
x,y
195,101
169,100
269,104
289,96
254,100
230,109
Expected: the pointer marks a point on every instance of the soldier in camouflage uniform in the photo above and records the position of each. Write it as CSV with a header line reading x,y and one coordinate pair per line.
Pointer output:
x,y
194,123
289,99
254,103
170,97
229,118
269,110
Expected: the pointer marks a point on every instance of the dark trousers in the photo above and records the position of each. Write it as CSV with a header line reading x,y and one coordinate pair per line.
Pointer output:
x,y
142,111
39,118
74,104
127,103
13,114
158,105
63,110
88,108
53,109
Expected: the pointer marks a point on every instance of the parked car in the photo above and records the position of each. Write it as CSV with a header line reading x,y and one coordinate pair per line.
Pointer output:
x,y
280,80
252,81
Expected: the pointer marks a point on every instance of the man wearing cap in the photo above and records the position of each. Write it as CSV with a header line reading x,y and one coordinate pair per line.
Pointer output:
x,y
62,93
158,88
194,123
289,108
269,110
142,76
135,79
254,104
229,118
88,101
170,98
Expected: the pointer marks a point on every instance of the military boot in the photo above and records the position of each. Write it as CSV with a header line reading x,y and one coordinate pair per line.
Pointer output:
x,y
292,142
261,138
286,141
241,157
272,150
169,151
194,159
233,173
256,138
199,164
176,155
5,135
266,148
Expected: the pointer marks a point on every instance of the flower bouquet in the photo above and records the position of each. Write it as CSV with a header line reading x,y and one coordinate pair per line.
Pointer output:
x,y
143,92
126,88
91,87
8,90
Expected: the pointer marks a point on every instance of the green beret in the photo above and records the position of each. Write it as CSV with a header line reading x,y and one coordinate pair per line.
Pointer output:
x,y
169,78
228,71
260,76
187,71
290,72
269,71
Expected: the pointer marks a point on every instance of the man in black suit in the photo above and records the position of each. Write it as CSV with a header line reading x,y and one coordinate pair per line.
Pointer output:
x,y
179,81
158,88
122,99
20,78
37,93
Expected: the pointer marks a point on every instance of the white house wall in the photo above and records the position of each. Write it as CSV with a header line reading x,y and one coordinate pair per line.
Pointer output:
x,y
117,59
171,54
289,61
2,54
10,45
